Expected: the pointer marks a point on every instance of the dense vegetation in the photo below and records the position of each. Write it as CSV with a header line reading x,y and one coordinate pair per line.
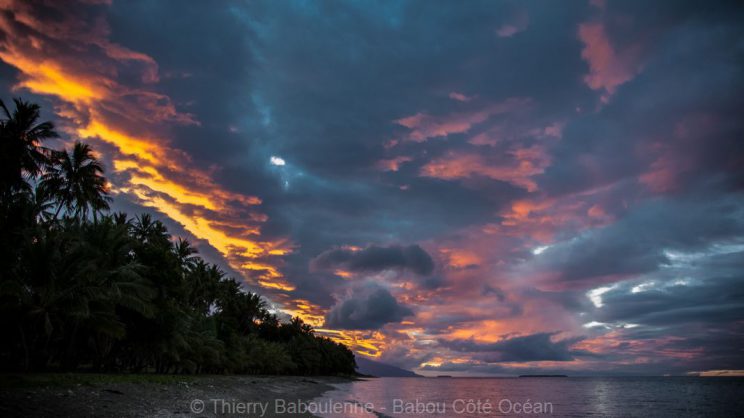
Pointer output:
x,y
83,289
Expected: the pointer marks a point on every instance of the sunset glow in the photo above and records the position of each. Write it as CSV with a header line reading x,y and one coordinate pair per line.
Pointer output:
x,y
560,191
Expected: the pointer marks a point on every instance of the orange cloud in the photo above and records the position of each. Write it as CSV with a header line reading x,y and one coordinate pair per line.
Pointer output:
x,y
72,61
459,258
719,373
368,343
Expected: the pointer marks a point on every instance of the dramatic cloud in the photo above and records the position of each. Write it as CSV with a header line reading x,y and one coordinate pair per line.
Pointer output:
x,y
74,61
535,347
369,306
642,242
374,259
571,172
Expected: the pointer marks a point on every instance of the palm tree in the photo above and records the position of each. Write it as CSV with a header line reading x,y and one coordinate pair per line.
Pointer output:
x,y
149,231
117,293
42,204
185,253
22,155
76,181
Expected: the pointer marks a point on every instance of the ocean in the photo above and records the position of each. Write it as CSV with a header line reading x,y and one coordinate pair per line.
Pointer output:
x,y
553,396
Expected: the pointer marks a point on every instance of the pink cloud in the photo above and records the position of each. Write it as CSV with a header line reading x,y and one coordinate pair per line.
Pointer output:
x,y
392,164
460,97
541,218
661,176
674,159
507,31
518,24
608,68
554,130
518,170
424,126
596,211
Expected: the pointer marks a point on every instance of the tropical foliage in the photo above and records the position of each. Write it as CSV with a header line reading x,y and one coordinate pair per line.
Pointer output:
x,y
82,288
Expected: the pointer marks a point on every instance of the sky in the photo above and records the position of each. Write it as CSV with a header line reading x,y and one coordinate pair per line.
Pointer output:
x,y
460,188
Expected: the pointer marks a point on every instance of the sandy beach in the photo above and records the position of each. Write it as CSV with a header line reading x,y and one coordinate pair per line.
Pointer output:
x,y
203,396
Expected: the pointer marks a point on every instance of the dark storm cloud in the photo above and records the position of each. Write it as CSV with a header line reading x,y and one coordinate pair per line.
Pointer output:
x,y
698,287
402,357
389,70
534,347
375,259
717,300
369,306
692,304
639,243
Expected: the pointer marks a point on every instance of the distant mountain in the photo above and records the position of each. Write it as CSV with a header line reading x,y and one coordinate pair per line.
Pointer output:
x,y
375,368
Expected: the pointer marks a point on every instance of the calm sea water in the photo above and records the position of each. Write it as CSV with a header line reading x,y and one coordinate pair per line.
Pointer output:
x,y
563,397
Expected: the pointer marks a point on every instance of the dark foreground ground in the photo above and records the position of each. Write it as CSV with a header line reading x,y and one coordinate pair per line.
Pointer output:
x,y
79,395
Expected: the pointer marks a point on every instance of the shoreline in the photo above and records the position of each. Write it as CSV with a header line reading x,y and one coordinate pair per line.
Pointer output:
x,y
151,396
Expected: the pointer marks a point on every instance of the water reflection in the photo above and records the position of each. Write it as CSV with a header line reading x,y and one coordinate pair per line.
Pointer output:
x,y
613,397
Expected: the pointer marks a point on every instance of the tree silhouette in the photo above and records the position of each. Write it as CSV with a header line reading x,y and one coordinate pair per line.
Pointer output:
x,y
75,181
119,293
22,155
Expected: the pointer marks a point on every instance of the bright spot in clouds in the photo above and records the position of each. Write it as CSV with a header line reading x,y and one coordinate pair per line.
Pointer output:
x,y
595,295
274,160
642,287
539,250
596,324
